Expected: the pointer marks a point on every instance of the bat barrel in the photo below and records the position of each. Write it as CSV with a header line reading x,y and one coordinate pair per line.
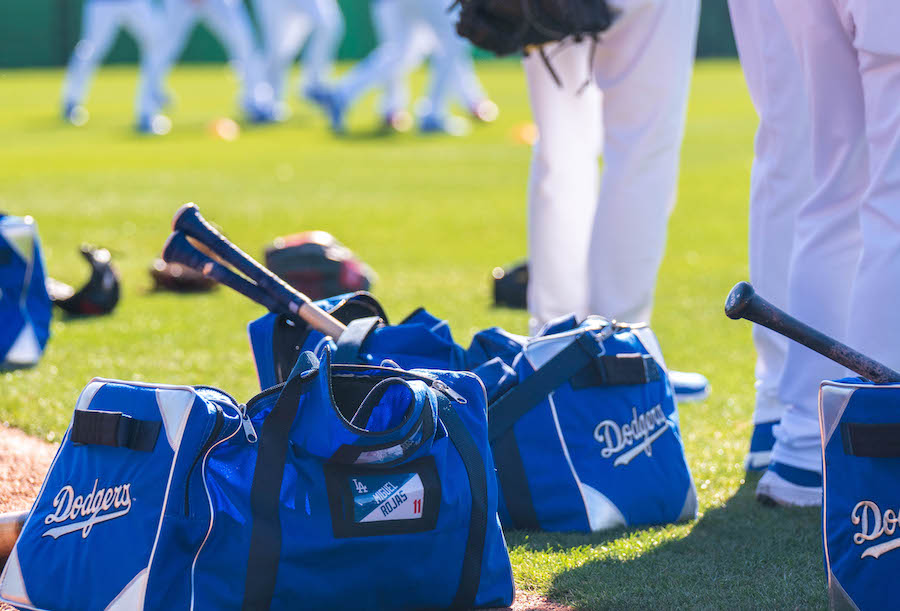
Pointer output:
x,y
189,220
178,249
744,302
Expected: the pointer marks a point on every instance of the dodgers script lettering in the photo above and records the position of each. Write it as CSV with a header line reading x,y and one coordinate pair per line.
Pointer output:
x,y
82,512
874,524
643,430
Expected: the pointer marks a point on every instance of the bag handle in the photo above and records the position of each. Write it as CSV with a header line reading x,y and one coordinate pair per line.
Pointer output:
x,y
349,344
115,430
265,537
580,362
871,440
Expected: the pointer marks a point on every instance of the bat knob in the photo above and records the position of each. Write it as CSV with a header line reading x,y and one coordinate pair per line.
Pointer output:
x,y
738,300
189,208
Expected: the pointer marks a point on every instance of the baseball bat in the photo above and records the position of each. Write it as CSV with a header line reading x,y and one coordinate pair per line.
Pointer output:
x,y
189,220
178,249
743,302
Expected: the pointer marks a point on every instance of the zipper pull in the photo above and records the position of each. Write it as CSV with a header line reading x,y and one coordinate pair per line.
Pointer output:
x,y
249,431
439,385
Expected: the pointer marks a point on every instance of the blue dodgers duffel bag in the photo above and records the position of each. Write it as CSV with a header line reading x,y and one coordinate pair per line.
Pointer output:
x,y
420,341
860,427
346,487
25,307
588,436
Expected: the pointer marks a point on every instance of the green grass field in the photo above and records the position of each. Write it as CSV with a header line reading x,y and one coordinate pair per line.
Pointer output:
x,y
432,215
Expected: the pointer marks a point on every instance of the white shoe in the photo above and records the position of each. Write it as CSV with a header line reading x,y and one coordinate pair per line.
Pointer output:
x,y
789,487
689,387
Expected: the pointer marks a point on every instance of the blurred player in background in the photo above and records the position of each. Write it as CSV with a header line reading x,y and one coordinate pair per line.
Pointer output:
x,y
400,46
420,41
595,247
230,22
100,23
843,275
285,26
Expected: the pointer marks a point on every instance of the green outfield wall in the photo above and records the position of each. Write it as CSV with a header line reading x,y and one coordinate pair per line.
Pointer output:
x,y
43,33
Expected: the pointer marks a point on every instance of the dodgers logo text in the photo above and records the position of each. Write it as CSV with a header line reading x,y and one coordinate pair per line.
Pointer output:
x,y
82,512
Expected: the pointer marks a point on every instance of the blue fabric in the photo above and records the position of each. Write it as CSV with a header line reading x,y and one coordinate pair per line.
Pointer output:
x,y
763,438
24,303
420,341
860,501
89,564
372,516
591,426
796,476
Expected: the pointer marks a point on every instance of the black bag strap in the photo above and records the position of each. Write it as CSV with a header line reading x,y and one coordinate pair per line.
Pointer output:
x,y
581,362
265,536
513,482
470,576
349,344
114,429
871,440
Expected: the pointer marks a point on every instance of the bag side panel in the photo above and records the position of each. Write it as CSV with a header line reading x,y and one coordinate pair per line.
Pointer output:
x,y
93,529
861,504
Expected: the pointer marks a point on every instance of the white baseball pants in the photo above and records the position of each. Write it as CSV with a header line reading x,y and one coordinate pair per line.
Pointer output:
x,y
286,25
100,23
781,179
595,247
844,275
229,21
403,45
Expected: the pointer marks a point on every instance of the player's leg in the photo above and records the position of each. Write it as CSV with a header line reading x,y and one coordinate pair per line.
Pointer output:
x,y
321,48
875,326
781,179
229,20
463,81
644,67
144,23
383,63
563,183
178,20
826,241
389,23
282,29
100,22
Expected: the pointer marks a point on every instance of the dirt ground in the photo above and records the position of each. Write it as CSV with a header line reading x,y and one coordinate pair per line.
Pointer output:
x,y
24,460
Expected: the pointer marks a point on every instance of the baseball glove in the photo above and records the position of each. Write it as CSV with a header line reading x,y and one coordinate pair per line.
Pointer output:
x,y
508,26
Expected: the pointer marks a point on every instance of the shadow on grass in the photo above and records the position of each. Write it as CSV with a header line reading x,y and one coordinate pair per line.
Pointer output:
x,y
738,556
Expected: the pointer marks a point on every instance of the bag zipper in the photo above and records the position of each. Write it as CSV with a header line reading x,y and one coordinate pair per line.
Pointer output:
x,y
210,440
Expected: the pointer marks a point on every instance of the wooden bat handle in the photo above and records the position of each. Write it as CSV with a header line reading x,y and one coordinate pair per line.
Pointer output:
x,y
743,302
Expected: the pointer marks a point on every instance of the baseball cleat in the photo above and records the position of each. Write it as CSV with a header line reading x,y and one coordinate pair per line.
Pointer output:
x,y
485,111
689,387
435,124
74,113
154,125
789,486
761,443
317,94
258,115
335,109
397,121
